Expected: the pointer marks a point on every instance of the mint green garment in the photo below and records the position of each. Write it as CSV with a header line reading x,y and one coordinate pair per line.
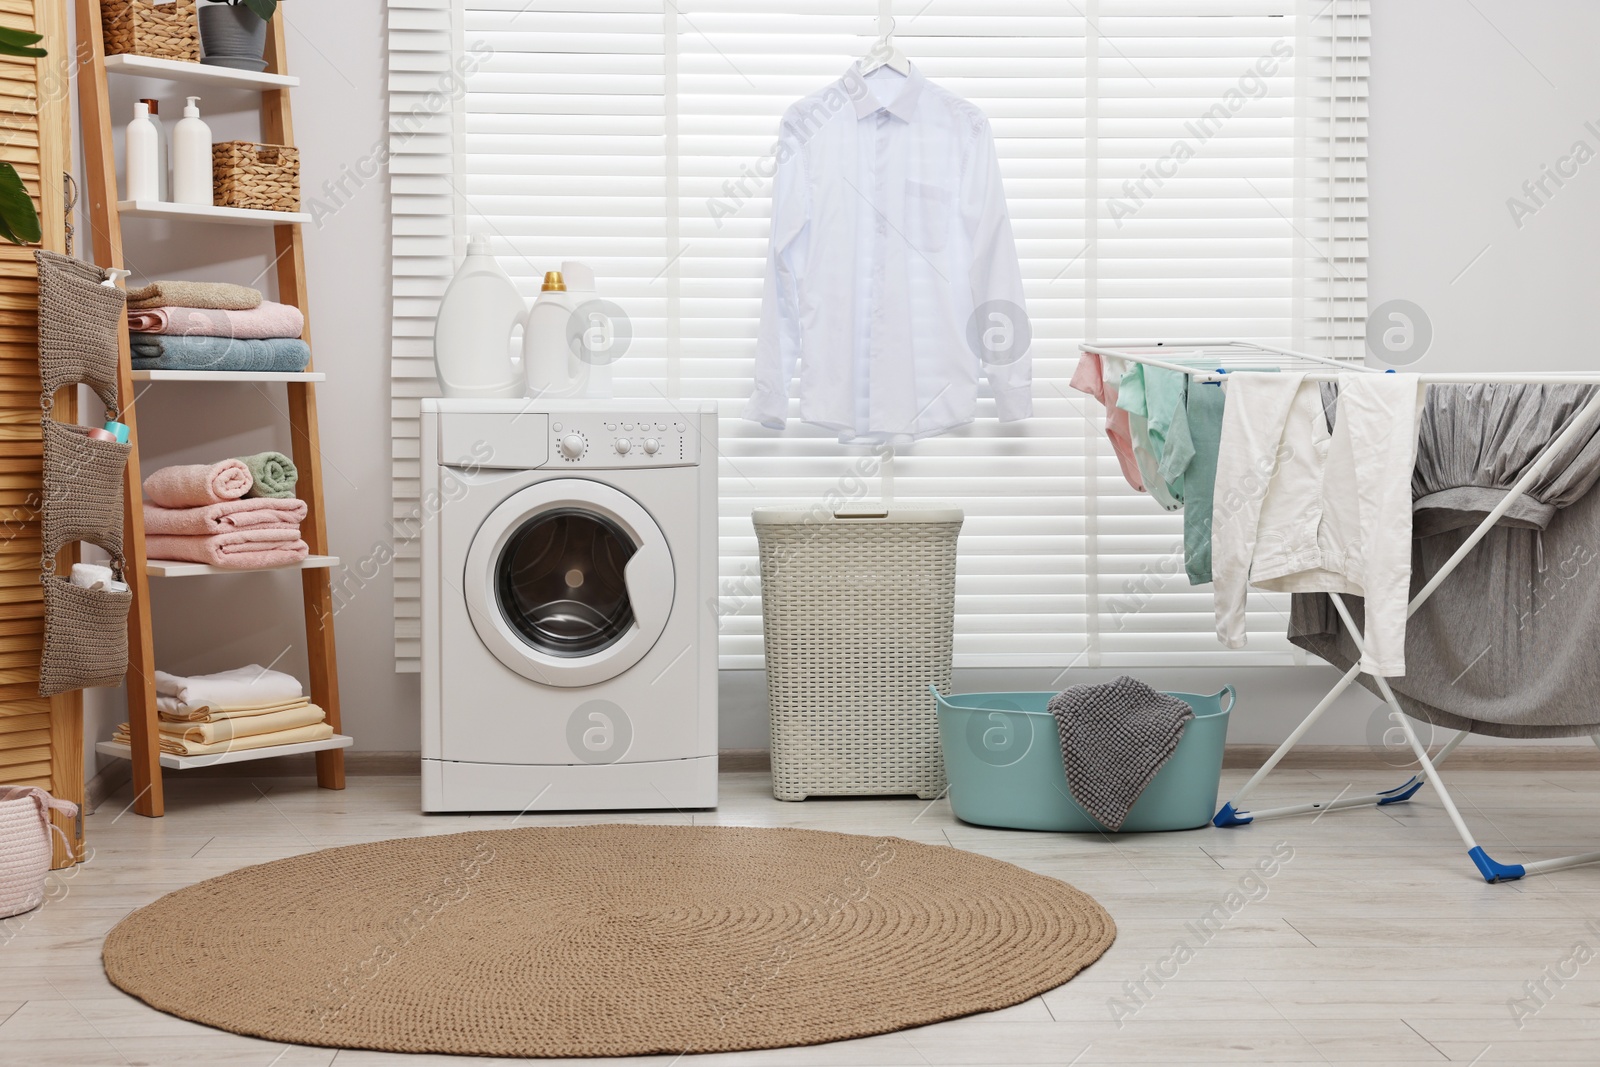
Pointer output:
x,y
274,474
1192,444
1152,396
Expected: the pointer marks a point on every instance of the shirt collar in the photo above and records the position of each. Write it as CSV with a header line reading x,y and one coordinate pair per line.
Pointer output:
x,y
902,107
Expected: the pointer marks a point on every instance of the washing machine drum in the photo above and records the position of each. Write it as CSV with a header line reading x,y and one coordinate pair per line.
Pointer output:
x,y
569,582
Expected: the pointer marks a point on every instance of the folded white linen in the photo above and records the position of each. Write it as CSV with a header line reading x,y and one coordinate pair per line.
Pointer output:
x,y
241,687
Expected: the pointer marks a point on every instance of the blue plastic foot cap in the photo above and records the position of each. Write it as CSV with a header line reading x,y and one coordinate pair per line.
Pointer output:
x,y
1229,817
1495,872
1399,793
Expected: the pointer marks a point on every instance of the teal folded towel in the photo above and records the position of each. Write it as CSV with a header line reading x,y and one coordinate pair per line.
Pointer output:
x,y
157,351
274,474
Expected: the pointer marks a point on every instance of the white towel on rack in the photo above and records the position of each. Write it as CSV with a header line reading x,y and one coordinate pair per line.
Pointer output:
x,y
1336,513
241,687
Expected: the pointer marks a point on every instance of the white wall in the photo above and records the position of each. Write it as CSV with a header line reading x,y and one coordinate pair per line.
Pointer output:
x,y
1468,101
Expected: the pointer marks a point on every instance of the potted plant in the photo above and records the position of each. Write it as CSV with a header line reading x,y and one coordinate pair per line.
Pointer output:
x,y
233,33
19,222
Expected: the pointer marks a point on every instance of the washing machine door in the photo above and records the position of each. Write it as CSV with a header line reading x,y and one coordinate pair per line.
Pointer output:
x,y
569,582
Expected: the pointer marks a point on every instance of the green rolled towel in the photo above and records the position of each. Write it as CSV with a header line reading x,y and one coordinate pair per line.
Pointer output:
x,y
274,474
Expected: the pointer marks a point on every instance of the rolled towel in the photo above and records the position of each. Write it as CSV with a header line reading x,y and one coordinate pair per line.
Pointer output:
x,y
198,484
156,351
238,550
271,319
242,687
93,576
250,513
194,295
274,474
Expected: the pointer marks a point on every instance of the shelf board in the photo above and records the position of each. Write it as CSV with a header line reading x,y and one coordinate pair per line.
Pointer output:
x,y
238,216
179,763
228,376
173,568
196,73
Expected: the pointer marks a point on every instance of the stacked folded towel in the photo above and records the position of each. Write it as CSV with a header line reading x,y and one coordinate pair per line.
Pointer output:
x,y
249,707
178,325
239,514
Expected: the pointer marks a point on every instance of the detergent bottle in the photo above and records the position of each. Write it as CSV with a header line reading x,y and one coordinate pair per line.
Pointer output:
x,y
550,362
472,335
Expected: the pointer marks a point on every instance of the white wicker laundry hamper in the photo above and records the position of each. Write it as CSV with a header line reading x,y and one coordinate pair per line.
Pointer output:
x,y
858,612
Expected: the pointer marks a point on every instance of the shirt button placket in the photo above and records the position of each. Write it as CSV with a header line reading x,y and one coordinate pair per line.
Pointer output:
x,y
880,249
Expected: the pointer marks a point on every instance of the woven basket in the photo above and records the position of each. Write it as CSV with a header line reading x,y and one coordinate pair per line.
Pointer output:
x,y
858,615
82,489
85,637
143,28
78,322
265,177
25,846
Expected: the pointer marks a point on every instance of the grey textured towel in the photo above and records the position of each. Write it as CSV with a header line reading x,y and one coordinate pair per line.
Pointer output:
x,y
1506,646
1114,738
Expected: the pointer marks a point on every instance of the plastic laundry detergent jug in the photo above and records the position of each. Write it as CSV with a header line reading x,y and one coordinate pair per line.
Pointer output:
x,y
552,366
472,335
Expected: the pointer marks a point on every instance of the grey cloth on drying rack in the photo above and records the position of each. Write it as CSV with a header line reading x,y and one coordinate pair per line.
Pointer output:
x,y
1506,646
157,351
1114,738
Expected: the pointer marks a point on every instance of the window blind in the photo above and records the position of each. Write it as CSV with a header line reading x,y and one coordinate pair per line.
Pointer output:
x,y
1174,169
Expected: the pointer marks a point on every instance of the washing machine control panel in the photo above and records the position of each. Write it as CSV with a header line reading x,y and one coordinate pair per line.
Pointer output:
x,y
591,441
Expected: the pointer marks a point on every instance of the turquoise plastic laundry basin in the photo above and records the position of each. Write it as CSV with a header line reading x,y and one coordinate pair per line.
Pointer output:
x,y
1002,756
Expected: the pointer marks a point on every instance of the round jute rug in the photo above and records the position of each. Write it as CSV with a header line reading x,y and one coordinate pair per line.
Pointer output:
x,y
605,941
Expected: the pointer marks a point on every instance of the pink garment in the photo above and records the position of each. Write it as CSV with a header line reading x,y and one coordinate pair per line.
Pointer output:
x,y
1090,378
252,513
238,549
198,484
268,320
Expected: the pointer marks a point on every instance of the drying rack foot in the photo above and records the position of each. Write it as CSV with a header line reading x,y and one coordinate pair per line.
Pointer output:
x,y
1230,817
1495,872
1401,793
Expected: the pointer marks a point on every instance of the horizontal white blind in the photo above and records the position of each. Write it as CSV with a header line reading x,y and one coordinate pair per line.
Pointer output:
x,y
1158,160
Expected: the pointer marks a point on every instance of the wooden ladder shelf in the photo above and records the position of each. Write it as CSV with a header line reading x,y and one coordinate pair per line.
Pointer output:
x,y
105,215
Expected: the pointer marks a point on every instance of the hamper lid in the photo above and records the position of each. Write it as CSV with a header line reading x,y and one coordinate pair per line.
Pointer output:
x,y
856,512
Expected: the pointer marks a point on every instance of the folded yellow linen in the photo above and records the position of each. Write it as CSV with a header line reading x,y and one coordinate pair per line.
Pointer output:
x,y
179,747
209,733
170,709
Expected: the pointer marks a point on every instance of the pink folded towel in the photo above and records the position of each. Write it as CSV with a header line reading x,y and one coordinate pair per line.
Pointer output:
x,y
198,484
252,513
269,320
239,549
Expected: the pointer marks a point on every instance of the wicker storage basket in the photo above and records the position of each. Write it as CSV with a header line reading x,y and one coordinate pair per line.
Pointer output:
x,y
25,846
143,28
858,612
261,176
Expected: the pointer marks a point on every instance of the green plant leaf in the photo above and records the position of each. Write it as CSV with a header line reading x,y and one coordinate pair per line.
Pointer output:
x,y
263,8
16,209
18,42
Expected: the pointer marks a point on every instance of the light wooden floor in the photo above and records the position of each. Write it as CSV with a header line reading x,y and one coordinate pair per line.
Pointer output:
x,y
1374,944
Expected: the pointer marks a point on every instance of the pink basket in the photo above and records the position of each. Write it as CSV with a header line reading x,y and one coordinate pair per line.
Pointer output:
x,y
25,845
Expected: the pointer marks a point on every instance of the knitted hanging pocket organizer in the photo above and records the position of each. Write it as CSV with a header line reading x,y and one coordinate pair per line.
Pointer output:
x,y
85,630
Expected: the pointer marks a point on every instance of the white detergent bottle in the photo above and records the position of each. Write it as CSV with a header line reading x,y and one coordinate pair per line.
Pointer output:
x,y
141,149
599,339
472,335
191,158
163,165
553,369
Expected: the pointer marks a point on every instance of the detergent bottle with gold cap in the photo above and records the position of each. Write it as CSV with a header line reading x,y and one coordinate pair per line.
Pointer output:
x,y
550,362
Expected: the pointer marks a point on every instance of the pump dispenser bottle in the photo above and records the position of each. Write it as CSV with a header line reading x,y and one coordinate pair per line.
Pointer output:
x,y
191,158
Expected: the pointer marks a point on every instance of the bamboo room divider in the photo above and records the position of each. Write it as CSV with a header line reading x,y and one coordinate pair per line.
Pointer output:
x,y
41,740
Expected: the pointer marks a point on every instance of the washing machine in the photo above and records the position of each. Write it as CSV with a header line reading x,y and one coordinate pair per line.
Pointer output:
x,y
569,561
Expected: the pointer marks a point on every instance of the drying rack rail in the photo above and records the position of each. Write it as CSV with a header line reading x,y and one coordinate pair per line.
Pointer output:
x,y
1213,361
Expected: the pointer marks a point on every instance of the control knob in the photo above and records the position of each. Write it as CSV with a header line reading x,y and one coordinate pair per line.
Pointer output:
x,y
572,445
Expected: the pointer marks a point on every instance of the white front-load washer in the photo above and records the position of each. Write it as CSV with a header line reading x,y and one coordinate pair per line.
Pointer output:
x,y
569,561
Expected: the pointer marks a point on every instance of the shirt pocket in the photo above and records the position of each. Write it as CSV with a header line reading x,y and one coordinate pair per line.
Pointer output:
x,y
929,210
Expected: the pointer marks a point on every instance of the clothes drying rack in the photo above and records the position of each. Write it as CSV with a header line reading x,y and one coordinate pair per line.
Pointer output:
x,y
1213,361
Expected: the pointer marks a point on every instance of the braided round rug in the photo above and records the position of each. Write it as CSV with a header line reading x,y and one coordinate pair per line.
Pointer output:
x,y
605,941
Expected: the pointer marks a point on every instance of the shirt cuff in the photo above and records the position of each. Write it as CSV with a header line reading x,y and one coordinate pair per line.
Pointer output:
x,y
774,416
1014,403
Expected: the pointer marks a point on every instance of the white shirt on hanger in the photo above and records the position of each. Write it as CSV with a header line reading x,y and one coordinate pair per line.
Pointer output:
x,y
892,274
